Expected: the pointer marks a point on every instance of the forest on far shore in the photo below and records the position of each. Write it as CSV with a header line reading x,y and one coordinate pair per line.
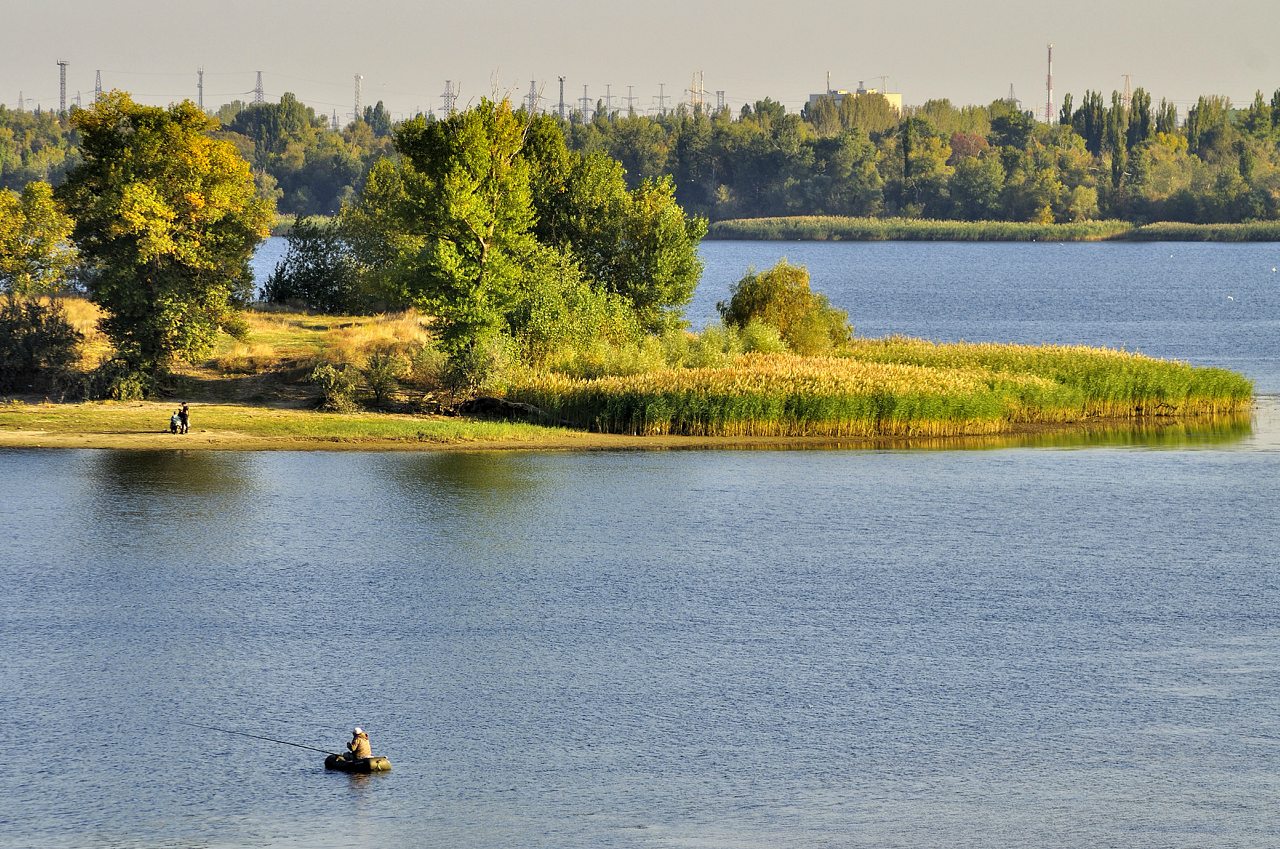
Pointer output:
x,y
1132,160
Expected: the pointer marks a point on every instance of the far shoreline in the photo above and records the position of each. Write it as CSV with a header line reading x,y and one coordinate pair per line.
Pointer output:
x,y
820,228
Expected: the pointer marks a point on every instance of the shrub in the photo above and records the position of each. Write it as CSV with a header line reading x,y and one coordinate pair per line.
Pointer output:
x,y
481,363
38,347
337,386
382,373
781,297
118,380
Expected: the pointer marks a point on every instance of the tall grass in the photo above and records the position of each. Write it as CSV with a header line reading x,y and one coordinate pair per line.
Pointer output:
x,y
836,228
890,388
1177,231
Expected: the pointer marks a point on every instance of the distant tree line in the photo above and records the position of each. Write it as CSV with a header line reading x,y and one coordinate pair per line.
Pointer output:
x,y
855,155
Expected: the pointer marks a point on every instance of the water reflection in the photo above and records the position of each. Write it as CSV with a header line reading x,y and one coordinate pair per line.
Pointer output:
x,y
179,473
489,478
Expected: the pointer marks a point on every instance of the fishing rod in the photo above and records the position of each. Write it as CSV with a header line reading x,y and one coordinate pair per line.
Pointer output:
x,y
256,737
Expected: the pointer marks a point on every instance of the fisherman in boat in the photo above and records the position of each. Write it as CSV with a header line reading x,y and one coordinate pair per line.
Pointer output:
x,y
359,746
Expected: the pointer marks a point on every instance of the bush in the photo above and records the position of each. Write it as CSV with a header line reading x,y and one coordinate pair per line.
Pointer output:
x,y
337,386
781,297
481,363
117,380
38,347
382,373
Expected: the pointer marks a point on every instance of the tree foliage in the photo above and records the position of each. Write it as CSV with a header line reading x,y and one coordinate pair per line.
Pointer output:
x,y
780,297
166,220
36,253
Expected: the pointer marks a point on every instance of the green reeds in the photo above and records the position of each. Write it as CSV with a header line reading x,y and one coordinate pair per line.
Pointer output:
x,y
894,387
832,228
836,229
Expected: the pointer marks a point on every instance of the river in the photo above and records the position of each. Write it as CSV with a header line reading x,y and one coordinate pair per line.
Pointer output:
x,y
1065,646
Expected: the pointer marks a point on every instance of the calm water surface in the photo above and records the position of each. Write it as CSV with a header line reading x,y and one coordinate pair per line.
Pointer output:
x,y
1072,645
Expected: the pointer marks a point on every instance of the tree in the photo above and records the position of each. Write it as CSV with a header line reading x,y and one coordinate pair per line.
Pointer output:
x,y
781,298
976,187
166,219
474,211
318,271
1139,129
35,242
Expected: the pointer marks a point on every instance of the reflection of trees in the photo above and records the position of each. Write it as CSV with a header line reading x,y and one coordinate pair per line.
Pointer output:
x,y
181,483
483,478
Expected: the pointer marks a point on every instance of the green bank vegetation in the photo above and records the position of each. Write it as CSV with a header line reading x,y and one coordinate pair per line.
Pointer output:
x,y
841,229
490,269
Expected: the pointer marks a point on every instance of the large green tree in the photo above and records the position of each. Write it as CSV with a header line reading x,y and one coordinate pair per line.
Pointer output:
x,y
166,220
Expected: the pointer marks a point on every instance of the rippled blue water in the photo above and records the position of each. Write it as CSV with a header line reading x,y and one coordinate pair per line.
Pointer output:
x,y
1055,647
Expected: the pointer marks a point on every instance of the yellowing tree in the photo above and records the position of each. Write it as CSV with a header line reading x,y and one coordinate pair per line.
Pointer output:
x,y
166,221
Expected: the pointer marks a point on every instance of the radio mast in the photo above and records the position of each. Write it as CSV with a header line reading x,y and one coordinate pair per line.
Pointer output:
x,y
1048,102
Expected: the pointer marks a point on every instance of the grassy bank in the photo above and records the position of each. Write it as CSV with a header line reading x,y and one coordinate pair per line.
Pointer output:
x,y
895,387
256,392
144,424
840,229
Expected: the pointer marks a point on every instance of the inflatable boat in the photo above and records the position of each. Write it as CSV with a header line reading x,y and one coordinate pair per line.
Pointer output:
x,y
376,763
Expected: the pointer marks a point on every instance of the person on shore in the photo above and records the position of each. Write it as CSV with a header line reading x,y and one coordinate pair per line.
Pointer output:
x,y
359,746
184,418
175,422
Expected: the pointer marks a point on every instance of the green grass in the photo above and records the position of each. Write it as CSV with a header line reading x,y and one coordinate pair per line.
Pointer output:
x,y
838,229
153,417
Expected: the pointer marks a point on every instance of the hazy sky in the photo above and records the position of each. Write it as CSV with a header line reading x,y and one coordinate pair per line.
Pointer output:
x,y
968,51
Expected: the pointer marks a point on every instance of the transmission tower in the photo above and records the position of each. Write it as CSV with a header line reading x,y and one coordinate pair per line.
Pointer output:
x,y
79,105
450,97
720,100
697,92
533,97
334,125
1013,98
608,100
356,104
662,98
631,101
257,91
586,104
1128,92
1048,84
62,86
97,87
561,107
200,87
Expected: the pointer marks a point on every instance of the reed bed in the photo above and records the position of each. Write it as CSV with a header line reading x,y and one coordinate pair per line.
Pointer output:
x,y
1178,231
1112,383
886,389
837,228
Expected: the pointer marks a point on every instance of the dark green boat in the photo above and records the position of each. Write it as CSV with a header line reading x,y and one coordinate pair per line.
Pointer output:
x,y
376,763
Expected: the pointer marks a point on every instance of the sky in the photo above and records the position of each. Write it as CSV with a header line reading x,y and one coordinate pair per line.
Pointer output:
x,y
969,52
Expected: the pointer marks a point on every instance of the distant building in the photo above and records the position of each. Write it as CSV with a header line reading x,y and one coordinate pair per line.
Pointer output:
x,y
839,94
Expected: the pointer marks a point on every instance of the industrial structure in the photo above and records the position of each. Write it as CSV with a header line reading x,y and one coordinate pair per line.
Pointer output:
x,y
1048,84
839,94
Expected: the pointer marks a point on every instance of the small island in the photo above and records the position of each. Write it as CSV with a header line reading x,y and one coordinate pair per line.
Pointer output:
x,y
491,287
